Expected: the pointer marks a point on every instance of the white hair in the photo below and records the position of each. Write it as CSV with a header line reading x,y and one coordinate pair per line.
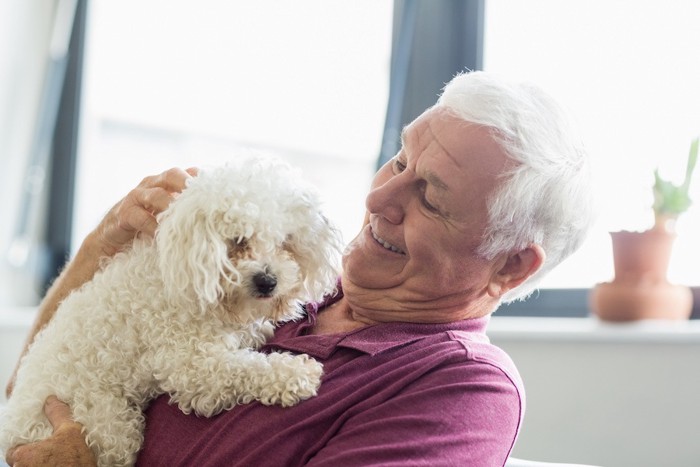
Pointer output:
x,y
546,195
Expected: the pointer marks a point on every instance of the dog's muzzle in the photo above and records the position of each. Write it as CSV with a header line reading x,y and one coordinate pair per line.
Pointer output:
x,y
265,283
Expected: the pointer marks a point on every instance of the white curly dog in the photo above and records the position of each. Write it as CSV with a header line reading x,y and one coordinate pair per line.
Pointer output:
x,y
235,253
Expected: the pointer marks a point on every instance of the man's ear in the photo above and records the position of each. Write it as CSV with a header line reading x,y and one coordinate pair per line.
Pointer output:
x,y
514,269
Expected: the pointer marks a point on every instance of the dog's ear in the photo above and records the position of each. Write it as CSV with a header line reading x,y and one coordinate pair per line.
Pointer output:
x,y
317,247
192,256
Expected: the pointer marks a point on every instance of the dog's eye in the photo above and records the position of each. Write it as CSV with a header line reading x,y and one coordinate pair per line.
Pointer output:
x,y
288,242
238,243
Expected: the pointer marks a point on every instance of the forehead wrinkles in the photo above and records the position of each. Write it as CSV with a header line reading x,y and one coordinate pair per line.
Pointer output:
x,y
430,175
435,139
426,143
417,138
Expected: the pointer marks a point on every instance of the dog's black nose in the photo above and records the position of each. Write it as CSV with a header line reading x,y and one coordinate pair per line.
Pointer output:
x,y
264,283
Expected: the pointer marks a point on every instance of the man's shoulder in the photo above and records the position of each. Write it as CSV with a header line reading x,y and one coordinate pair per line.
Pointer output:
x,y
478,349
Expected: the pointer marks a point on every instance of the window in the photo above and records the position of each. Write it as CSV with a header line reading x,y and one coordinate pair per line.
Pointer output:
x,y
180,83
177,83
629,73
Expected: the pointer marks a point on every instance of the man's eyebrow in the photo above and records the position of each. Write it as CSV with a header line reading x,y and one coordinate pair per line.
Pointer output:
x,y
436,181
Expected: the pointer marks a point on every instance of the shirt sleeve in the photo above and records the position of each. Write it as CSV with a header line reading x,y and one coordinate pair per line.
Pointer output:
x,y
460,415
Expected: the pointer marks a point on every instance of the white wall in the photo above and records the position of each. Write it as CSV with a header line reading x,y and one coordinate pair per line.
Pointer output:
x,y
609,395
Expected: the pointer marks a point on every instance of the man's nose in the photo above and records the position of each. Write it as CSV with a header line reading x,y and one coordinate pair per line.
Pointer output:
x,y
389,199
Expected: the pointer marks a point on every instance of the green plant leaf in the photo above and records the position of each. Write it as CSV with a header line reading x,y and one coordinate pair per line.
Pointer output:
x,y
692,160
671,200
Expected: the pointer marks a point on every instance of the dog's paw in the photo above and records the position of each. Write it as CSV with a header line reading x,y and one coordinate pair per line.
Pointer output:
x,y
293,379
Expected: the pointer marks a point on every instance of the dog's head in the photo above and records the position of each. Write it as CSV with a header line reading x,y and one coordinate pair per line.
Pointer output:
x,y
249,236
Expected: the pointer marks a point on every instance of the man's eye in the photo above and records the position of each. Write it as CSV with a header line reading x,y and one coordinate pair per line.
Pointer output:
x,y
399,166
429,206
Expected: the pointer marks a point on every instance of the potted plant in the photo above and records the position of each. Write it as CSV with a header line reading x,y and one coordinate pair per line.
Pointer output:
x,y
640,289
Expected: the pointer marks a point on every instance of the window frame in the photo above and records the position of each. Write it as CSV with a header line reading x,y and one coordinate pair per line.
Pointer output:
x,y
415,82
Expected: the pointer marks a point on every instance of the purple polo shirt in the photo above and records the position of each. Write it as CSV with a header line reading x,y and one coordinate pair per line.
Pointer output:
x,y
392,394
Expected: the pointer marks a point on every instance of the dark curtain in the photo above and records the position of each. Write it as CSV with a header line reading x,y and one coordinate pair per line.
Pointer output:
x,y
432,41
64,152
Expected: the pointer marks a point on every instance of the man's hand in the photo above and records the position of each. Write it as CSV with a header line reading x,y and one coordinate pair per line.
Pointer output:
x,y
136,213
65,447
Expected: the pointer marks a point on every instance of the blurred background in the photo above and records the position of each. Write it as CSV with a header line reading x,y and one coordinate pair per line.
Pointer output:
x,y
96,94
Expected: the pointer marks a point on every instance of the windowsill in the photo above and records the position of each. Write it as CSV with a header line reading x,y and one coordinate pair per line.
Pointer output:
x,y
591,329
588,329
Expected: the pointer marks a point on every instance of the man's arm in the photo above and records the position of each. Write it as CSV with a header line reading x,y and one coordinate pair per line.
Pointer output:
x,y
133,215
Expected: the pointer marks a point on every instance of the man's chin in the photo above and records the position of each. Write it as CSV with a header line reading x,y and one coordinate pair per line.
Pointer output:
x,y
367,278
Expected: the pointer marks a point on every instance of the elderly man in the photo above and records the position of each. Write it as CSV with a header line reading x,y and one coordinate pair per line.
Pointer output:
x,y
489,191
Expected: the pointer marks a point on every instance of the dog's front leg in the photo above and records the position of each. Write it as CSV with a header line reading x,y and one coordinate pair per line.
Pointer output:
x,y
292,379
212,383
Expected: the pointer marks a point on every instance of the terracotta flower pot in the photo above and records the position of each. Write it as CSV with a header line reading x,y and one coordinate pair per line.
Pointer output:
x,y
640,289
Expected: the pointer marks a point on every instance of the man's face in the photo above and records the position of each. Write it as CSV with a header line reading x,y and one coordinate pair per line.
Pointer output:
x,y
426,216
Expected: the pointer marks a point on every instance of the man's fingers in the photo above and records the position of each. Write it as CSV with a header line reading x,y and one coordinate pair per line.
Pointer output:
x,y
57,412
12,454
154,200
154,194
172,180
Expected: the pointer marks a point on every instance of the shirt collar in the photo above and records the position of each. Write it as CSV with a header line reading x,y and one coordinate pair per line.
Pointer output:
x,y
381,337
371,339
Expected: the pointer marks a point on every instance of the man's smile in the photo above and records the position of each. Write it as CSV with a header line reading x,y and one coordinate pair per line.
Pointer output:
x,y
386,244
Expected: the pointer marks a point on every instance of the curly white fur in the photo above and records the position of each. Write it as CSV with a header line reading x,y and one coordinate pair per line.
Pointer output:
x,y
183,314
